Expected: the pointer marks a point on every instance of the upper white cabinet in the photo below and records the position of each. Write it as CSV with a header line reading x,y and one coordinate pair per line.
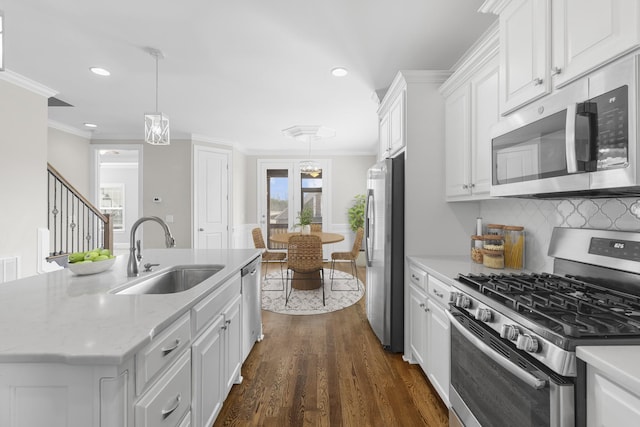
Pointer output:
x,y
589,33
392,120
524,53
545,45
471,109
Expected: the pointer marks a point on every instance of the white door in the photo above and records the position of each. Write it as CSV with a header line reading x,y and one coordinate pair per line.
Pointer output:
x,y
211,198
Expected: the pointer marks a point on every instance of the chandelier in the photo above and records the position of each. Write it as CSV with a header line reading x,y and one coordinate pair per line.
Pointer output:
x,y
307,134
156,125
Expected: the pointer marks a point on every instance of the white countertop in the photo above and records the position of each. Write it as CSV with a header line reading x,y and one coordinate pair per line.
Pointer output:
x,y
619,363
61,317
447,267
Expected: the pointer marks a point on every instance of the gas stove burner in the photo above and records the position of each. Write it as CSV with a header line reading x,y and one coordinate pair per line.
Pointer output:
x,y
564,305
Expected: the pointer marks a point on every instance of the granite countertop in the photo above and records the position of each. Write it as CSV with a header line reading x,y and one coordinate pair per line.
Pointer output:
x,y
64,318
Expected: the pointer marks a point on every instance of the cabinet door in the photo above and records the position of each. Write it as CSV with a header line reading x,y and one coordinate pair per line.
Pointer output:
x,y
418,326
588,33
208,372
233,343
485,113
609,404
524,52
396,124
439,350
457,125
384,137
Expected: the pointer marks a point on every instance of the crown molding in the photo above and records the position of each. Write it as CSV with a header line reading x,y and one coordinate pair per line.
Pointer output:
x,y
407,77
69,129
493,6
26,83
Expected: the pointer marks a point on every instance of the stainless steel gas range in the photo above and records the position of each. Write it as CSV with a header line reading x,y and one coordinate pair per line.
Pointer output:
x,y
513,336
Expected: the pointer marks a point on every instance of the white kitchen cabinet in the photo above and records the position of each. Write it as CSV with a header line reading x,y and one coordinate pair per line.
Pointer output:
x,y
232,344
524,52
429,329
471,109
208,374
417,327
392,132
590,33
546,44
609,403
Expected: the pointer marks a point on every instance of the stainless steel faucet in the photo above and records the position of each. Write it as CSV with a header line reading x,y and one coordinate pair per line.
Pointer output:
x,y
134,259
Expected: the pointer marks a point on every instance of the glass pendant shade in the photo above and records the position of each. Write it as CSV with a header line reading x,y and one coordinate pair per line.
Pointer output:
x,y
310,167
156,129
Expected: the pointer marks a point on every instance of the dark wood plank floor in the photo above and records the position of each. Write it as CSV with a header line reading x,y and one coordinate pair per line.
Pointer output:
x,y
329,370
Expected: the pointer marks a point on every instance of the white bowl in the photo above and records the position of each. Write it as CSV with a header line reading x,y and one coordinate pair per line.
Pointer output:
x,y
85,268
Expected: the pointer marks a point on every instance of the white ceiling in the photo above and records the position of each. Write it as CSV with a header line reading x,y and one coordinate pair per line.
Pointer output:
x,y
237,71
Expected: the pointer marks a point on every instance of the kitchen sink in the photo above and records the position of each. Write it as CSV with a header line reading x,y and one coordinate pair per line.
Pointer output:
x,y
178,279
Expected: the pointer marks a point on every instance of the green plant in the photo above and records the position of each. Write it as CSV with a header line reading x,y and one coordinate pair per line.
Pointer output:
x,y
305,217
356,212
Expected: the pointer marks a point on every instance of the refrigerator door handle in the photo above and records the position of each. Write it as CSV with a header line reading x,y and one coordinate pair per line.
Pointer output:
x,y
369,227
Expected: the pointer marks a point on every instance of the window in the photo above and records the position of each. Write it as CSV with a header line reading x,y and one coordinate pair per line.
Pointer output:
x,y
112,203
311,195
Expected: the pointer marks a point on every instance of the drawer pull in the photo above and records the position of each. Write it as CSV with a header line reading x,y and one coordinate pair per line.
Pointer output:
x,y
227,321
168,350
166,412
438,294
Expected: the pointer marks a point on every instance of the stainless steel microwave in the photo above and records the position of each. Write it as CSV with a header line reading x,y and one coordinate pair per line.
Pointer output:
x,y
580,141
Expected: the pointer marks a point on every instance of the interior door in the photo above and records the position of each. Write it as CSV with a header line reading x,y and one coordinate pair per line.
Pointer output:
x,y
211,198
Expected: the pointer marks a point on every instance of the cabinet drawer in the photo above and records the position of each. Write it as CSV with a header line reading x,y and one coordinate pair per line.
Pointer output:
x,y
161,351
166,403
439,292
418,277
186,421
211,306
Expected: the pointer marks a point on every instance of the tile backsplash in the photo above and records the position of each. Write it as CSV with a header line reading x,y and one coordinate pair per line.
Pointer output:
x,y
540,216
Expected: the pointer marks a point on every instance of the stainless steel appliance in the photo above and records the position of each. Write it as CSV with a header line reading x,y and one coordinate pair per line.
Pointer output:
x,y
581,140
513,336
384,247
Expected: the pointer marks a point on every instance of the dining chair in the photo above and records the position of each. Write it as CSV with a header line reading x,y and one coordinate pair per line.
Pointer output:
x,y
316,228
304,255
348,256
267,255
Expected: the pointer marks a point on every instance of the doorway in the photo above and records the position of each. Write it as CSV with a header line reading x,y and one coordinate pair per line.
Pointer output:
x,y
116,188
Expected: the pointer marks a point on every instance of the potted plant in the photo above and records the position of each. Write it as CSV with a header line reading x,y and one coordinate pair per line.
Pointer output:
x,y
304,220
356,220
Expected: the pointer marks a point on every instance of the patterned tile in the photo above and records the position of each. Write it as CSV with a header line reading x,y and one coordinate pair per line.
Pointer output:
x,y
540,216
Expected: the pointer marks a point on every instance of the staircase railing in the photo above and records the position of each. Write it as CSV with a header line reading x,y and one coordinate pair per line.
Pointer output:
x,y
75,225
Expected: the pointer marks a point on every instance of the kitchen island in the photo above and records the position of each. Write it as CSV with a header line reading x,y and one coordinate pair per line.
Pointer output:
x,y
83,355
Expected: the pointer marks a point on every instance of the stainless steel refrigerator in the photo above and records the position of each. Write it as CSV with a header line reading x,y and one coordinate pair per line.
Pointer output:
x,y
384,247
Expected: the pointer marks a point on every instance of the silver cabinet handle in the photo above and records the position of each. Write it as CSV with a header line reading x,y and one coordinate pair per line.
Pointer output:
x,y
200,229
531,380
438,294
166,412
555,71
168,350
465,186
537,81
227,321
472,185
422,305
224,327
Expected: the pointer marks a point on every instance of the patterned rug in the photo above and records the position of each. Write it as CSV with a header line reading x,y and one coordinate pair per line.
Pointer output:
x,y
310,302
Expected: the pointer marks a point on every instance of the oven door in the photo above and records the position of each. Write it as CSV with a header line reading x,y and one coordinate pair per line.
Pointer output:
x,y
494,384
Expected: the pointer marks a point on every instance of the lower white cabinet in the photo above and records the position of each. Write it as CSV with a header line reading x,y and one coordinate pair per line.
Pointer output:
x,y
609,403
208,374
429,329
169,399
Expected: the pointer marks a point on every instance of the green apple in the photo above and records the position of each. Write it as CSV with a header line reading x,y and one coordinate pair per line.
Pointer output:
x,y
76,256
106,252
90,256
100,258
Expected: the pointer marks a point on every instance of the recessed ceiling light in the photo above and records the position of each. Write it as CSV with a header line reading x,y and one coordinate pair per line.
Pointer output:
x,y
91,125
100,71
339,72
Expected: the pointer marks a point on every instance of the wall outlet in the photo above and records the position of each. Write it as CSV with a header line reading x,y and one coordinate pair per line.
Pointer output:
x,y
157,199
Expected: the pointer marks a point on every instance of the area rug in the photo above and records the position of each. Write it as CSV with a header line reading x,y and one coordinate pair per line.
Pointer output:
x,y
310,302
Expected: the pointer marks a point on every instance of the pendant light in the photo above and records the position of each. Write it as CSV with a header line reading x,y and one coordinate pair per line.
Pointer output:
x,y
308,134
156,125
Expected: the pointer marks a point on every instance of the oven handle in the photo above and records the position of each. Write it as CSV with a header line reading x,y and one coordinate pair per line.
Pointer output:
x,y
531,380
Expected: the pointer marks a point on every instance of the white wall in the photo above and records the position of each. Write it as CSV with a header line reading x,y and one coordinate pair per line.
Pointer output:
x,y
69,155
23,173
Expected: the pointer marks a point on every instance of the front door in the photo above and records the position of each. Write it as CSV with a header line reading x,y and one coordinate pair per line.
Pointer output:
x,y
211,198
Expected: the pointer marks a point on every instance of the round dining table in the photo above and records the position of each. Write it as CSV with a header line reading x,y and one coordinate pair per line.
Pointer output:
x,y
307,281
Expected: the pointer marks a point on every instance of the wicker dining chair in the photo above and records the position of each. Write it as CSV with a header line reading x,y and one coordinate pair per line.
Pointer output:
x,y
267,256
304,255
348,256
316,228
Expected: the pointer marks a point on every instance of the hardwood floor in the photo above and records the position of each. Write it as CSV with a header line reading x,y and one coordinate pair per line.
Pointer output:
x,y
329,370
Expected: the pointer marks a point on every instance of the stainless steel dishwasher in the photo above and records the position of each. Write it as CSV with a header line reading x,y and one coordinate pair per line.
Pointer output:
x,y
251,306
